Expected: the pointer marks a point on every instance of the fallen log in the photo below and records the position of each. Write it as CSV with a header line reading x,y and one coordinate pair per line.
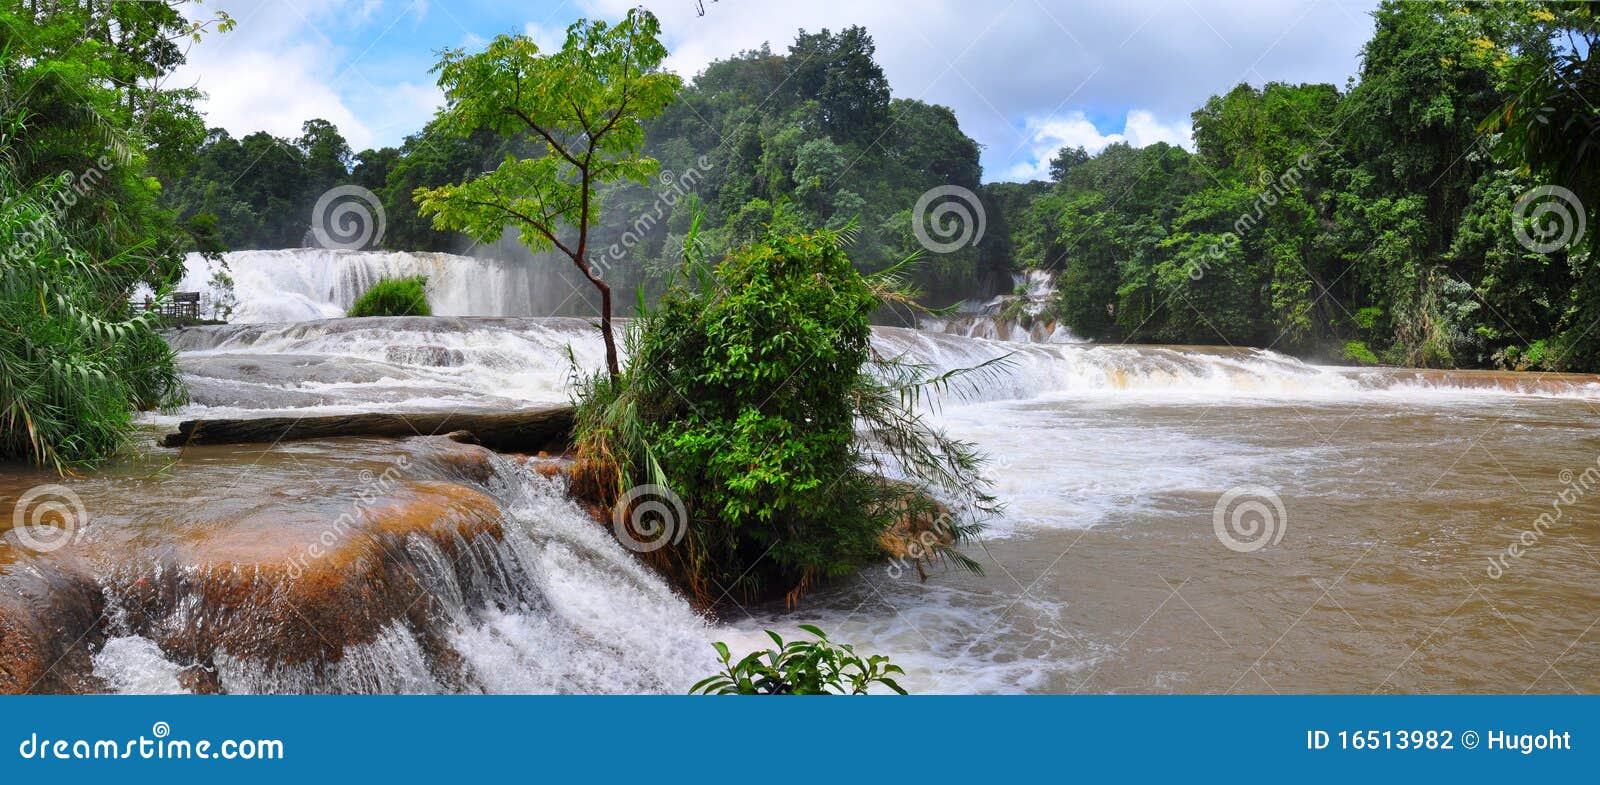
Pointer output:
x,y
529,431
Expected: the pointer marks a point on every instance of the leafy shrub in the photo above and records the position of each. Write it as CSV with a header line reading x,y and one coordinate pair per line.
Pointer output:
x,y
394,297
1357,352
73,366
819,667
744,393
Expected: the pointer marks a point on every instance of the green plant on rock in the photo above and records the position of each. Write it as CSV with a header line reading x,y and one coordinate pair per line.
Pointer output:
x,y
394,297
753,390
819,667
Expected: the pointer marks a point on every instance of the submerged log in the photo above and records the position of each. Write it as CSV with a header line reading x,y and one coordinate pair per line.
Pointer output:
x,y
530,431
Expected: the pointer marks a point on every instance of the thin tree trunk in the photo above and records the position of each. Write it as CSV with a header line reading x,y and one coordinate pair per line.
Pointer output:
x,y
579,258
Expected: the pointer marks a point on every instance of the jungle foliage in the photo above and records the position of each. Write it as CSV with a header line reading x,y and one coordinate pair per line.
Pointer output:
x,y
88,137
1369,224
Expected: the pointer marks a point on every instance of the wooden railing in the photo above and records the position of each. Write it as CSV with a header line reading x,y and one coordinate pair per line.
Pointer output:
x,y
181,305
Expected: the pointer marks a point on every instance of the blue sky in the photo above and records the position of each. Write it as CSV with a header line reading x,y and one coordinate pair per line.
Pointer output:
x,y
1024,77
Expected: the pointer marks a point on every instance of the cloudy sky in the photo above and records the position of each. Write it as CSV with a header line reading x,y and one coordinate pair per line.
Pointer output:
x,y
1025,77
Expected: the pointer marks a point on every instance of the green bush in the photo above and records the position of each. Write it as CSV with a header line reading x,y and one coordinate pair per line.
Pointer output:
x,y
744,393
394,297
819,667
1357,352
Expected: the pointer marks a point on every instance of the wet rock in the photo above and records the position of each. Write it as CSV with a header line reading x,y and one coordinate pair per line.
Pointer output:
x,y
290,587
529,431
430,356
51,614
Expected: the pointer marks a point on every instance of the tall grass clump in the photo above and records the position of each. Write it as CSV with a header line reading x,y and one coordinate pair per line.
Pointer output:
x,y
394,297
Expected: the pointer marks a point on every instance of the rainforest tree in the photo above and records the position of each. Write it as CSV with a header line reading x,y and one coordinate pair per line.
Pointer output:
x,y
586,103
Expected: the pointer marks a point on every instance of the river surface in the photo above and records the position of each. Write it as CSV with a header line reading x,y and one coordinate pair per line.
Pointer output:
x,y
1178,519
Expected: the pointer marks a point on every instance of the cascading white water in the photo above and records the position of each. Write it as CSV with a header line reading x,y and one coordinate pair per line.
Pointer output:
x,y
556,606
1134,442
312,283
1009,317
412,363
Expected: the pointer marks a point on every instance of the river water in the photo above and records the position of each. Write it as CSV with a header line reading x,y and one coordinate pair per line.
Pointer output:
x,y
1178,519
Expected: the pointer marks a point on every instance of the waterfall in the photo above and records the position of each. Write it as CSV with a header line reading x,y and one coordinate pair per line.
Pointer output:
x,y
311,283
1017,317
551,605
428,363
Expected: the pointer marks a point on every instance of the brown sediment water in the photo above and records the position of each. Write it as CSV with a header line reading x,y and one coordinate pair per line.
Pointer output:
x,y
1426,546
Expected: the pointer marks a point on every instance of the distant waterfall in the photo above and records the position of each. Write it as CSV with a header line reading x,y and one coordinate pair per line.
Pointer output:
x,y
303,284
1009,317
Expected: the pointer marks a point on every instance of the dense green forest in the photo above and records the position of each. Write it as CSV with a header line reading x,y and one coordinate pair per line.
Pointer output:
x,y
1369,223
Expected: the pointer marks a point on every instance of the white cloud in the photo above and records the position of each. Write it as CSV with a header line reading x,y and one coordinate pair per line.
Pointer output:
x,y
995,64
1049,135
548,38
277,68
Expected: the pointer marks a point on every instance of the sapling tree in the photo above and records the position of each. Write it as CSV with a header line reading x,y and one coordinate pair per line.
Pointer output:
x,y
585,103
